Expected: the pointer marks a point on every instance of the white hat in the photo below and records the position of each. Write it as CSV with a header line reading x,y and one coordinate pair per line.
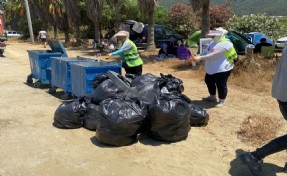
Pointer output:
x,y
122,33
222,30
214,33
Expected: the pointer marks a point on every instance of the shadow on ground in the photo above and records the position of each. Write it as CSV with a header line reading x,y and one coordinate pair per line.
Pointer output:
x,y
204,104
238,168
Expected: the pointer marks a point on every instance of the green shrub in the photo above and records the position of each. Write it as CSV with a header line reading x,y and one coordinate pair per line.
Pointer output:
x,y
268,25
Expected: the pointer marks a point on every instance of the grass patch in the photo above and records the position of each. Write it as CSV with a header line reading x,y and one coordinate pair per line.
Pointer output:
x,y
257,129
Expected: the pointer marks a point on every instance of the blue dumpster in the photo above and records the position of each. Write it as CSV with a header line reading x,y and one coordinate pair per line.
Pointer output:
x,y
83,74
40,63
61,74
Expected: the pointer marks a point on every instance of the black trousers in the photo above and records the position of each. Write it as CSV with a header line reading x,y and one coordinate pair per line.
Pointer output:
x,y
137,70
277,144
219,81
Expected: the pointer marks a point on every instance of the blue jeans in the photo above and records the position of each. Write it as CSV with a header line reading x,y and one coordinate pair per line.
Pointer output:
x,y
277,144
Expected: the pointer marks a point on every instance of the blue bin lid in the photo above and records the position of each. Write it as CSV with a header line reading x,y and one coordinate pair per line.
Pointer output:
x,y
96,63
57,46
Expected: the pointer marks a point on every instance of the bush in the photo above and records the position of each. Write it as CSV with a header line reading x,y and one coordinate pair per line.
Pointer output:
x,y
182,19
219,15
270,26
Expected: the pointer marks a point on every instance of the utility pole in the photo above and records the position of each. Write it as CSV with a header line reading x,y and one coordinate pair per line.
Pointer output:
x,y
29,21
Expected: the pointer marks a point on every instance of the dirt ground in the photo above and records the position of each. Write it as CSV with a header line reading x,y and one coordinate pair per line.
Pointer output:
x,y
31,146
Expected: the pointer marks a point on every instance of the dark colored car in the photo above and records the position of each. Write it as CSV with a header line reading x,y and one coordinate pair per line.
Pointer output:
x,y
162,34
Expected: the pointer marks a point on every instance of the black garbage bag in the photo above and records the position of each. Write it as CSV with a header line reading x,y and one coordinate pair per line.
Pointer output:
x,y
92,116
120,122
172,84
145,92
199,116
99,79
144,79
107,89
70,115
168,118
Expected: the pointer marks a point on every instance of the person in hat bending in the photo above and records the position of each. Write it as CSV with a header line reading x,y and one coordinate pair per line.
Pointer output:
x,y
132,62
219,62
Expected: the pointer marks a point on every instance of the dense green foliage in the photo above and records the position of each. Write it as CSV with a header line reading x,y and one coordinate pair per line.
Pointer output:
x,y
260,22
245,7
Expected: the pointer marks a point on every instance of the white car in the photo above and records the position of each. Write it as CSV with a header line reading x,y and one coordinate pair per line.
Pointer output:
x,y
280,43
13,34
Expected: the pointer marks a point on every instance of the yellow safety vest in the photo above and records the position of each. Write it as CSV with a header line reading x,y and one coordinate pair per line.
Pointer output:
x,y
231,54
132,56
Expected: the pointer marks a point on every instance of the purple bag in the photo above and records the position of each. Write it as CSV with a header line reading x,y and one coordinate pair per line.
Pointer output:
x,y
183,53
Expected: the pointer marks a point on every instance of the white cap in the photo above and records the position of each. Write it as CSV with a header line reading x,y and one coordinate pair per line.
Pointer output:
x,y
122,33
222,30
213,33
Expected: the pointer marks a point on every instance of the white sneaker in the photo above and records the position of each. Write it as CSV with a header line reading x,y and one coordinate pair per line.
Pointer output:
x,y
220,103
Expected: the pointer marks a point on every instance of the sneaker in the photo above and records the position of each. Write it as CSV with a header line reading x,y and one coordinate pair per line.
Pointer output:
x,y
254,165
220,103
210,99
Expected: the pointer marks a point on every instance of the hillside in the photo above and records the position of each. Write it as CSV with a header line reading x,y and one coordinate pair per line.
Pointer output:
x,y
244,7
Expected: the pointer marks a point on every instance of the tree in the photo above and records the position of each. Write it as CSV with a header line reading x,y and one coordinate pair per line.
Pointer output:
x,y
220,14
73,11
94,10
203,5
183,20
116,4
147,8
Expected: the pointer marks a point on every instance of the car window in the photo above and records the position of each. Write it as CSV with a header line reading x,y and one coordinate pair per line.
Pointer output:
x,y
159,32
14,32
168,32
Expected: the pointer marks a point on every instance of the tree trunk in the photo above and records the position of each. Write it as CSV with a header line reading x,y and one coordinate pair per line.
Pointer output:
x,y
97,32
78,35
118,14
205,21
55,32
67,37
150,38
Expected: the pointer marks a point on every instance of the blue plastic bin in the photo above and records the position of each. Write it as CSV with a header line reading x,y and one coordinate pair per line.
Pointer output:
x,y
83,74
61,74
40,62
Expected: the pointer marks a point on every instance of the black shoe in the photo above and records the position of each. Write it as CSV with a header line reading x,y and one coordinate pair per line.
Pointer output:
x,y
254,165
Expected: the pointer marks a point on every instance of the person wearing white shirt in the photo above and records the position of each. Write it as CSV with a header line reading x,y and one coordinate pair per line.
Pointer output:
x,y
219,62
43,36
255,158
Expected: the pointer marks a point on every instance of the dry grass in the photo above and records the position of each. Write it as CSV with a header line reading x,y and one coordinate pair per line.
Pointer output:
x,y
257,129
253,74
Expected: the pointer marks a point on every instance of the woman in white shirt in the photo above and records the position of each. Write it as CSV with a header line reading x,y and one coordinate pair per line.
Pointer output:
x,y
219,62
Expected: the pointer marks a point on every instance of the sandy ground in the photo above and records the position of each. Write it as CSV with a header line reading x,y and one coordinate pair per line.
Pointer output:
x,y
31,146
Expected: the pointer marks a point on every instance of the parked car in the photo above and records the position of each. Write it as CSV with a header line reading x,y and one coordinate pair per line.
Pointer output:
x,y
280,43
162,34
13,34
255,37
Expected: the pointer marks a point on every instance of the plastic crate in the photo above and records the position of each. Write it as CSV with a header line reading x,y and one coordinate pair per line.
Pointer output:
x,y
40,62
60,71
83,74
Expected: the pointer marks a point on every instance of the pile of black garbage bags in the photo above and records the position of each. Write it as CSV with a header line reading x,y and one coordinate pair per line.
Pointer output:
x,y
153,105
